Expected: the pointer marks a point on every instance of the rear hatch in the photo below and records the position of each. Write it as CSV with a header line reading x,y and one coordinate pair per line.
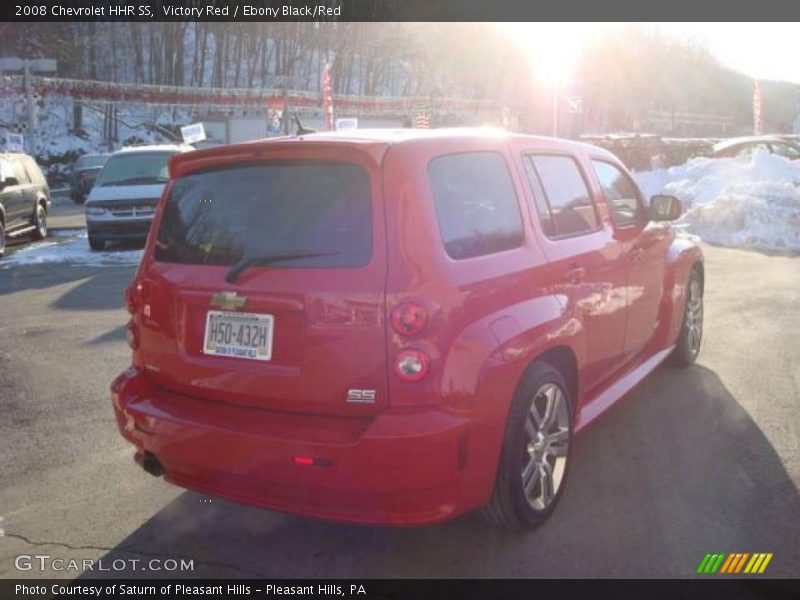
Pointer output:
x,y
263,282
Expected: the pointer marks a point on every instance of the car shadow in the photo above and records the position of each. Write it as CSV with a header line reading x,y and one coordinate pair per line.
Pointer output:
x,y
96,288
676,470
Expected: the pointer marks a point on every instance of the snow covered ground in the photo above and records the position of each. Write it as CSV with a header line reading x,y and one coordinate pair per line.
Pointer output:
x,y
742,202
70,247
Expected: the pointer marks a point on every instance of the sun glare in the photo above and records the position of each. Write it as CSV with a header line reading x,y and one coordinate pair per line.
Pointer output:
x,y
553,49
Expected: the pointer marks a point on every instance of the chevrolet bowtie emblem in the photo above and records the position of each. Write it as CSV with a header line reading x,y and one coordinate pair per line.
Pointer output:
x,y
228,300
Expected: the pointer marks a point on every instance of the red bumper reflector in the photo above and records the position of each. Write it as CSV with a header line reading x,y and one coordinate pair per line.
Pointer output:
x,y
310,461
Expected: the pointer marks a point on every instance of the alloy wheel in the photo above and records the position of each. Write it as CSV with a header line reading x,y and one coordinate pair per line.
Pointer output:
x,y
41,221
546,446
694,317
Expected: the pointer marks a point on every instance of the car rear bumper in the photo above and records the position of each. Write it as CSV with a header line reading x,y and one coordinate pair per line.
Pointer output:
x,y
119,229
403,467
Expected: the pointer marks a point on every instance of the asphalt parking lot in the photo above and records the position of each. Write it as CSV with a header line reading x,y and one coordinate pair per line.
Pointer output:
x,y
693,461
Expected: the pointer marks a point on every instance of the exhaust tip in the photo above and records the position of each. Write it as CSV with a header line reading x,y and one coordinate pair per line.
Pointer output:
x,y
150,463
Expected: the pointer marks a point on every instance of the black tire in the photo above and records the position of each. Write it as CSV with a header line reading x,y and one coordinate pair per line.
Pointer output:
x,y
688,345
96,244
40,221
509,506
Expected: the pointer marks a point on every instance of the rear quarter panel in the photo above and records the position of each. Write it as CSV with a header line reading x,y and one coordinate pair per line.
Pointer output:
x,y
490,315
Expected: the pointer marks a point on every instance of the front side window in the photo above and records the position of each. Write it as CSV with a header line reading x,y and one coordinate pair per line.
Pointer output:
x,y
135,168
318,213
6,170
561,195
475,203
620,192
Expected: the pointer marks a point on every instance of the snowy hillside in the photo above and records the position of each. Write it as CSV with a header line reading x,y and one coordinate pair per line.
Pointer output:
x,y
744,202
56,132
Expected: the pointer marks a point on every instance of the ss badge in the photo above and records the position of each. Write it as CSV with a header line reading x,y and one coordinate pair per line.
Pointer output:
x,y
361,396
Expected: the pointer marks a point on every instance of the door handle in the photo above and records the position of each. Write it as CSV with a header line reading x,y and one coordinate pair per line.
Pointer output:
x,y
574,274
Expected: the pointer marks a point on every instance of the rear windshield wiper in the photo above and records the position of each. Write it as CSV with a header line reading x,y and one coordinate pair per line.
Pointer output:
x,y
266,259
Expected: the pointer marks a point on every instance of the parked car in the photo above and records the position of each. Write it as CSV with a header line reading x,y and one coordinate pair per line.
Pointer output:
x,y
121,204
745,146
24,198
397,327
83,175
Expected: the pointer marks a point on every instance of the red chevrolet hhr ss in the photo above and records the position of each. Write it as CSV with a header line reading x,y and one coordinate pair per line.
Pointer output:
x,y
397,327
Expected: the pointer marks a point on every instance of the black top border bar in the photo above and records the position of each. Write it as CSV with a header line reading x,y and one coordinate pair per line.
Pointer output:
x,y
393,10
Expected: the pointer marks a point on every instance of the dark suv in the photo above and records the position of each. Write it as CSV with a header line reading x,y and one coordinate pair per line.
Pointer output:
x,y
24,198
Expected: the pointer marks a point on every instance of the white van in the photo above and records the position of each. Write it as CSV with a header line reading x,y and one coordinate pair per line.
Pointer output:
x,y
123,200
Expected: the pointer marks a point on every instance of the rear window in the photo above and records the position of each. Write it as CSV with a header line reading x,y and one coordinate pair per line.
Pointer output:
x,y
88,162
135,168
476,206
223,216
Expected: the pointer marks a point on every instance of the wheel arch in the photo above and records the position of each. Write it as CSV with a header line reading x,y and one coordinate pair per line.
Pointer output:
x,y
563,358
683,257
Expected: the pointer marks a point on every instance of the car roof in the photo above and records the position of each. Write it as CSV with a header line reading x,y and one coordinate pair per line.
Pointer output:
x,y
377,141
754,139
154,148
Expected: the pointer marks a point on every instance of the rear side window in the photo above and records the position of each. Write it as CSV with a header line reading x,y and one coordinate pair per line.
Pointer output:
x,y
34,172
563,197
274,209
476,205
20,172
622,196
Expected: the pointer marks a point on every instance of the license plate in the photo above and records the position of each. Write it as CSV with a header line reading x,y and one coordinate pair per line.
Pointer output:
x,y
239,335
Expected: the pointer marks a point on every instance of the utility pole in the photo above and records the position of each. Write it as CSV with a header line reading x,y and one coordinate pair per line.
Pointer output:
x,y
556,94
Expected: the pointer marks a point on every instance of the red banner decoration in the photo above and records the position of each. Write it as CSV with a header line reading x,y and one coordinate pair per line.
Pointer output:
x,y
327,97
235,98
758,124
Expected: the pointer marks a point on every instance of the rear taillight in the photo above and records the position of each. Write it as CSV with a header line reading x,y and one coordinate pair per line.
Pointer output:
x,y
409,318
133,295
411,364
132,334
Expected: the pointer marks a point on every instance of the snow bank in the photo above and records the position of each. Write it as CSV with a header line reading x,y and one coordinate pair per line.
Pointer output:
x,y
71,250
744,202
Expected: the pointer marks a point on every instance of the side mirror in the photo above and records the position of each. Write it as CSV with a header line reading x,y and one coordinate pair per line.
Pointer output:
x,y
8,182
665,208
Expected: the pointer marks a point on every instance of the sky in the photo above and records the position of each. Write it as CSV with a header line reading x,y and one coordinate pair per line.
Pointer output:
x,y
759,50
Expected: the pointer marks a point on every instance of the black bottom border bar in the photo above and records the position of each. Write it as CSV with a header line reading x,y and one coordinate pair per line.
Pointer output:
x,y
400,589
